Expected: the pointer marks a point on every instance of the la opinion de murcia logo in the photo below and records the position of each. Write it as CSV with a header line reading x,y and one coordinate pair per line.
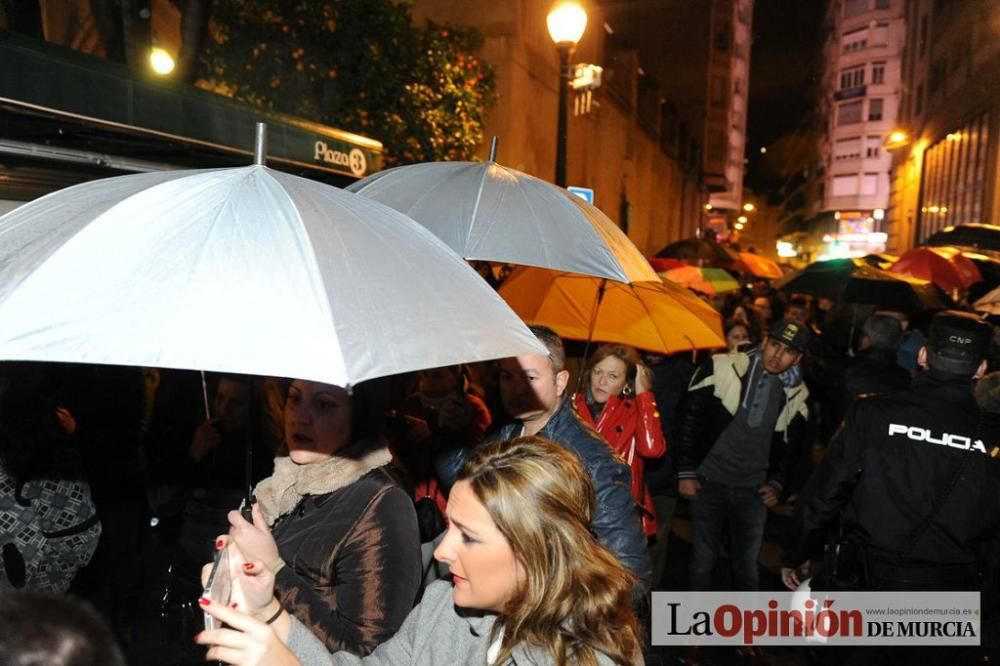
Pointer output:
x,y
354,160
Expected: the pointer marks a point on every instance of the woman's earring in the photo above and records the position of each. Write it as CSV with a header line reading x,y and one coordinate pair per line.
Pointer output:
x,y
627,390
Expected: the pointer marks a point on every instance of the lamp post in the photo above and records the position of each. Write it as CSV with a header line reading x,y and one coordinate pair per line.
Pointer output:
x,y
566,22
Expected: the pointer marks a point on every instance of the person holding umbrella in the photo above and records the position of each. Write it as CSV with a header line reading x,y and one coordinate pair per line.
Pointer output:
x,y
333,523
619,404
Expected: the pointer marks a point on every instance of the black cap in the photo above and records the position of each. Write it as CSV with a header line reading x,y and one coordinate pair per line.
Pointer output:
x,y
791,334
958,342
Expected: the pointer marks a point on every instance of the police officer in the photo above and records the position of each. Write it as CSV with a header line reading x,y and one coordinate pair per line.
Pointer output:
x,y
912,475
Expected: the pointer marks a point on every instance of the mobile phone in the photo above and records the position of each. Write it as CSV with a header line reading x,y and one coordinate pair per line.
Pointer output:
x,y
219,587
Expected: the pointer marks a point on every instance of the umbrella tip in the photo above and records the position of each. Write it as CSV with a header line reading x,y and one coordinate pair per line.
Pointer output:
x,y
493,148
260,144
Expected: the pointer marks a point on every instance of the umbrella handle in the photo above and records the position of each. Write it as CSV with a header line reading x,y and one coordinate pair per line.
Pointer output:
x,y
590,332
204,397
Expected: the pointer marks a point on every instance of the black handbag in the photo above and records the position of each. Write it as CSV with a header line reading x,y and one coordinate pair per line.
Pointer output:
x,y
430,522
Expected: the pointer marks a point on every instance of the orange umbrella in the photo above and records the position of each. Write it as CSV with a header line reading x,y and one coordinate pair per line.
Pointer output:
x,y
761,267
656,316
944,266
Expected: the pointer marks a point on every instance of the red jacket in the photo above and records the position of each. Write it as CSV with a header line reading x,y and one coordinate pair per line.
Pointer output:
x,y
632,427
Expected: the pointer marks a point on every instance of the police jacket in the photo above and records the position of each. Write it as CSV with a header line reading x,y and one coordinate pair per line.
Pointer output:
x,y
895,457
713,398
616,520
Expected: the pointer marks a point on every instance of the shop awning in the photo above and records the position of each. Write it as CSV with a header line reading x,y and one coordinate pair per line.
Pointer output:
x,y
66,117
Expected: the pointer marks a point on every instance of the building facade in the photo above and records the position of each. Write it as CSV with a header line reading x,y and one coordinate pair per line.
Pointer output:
x,y
946,152
640,147
861,81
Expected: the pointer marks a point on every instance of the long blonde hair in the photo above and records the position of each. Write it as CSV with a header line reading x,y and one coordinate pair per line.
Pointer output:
x,y
576,599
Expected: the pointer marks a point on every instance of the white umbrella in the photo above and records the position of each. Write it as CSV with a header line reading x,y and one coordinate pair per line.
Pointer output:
x,y
489,212
244,270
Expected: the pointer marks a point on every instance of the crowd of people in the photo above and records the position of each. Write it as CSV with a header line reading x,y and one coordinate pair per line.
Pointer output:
x,y
491,514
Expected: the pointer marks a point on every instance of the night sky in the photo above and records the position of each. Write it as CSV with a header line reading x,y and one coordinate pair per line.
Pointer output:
x,y
787,50
784,64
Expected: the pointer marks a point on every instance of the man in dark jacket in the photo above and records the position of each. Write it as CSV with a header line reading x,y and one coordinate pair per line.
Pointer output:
x,y
533,390
912,475
746,411
873,369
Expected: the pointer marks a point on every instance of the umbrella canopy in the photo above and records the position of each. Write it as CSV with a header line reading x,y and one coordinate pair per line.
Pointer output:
x,y
761,267
485,211
701,251
655,316
854,281
990,302
979,236
944,266
708,281
243,270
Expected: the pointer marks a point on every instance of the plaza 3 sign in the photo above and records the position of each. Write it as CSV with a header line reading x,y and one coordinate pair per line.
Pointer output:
x,y
354,160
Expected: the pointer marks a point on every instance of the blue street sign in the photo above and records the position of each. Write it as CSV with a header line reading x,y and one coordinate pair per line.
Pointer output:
x,y
585,193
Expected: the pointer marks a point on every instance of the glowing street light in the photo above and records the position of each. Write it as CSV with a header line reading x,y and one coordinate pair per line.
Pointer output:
x,y
742,219
566,22
708,206
749,207
161,61
897,139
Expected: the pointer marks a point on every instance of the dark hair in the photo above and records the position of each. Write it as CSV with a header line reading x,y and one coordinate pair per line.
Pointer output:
x,y
552,342
883,331
41,629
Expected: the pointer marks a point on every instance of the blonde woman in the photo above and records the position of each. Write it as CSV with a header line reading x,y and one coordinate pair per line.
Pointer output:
x,y
531,585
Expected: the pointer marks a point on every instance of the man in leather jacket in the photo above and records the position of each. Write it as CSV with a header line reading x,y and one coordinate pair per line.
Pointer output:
x,y
745,414
913,475
533,391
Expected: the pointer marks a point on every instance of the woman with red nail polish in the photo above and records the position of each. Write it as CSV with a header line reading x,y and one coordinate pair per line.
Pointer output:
x,y
333,523
531,584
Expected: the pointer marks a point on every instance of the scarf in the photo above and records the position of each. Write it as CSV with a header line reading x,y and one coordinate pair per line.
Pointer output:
x,y
281,492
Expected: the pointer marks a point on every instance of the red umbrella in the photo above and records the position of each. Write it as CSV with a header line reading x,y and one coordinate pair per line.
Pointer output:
x,y
664,264
944,266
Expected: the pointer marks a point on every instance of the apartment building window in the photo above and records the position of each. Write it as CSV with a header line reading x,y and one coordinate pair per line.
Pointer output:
x,y
875,109
880,34
718,91
869,184
845,186
847,149
873,146
849,112
723,35
883,4
855,7
852,78
855,40
878,72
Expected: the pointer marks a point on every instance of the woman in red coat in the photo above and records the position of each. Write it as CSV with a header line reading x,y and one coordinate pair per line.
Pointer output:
x,y
618,403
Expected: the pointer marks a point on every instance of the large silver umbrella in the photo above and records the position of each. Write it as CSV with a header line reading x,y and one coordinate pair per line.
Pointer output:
x,y
489,212
244,270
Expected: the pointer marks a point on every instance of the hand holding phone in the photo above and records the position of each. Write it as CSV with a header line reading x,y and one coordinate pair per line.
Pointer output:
x,y
219,587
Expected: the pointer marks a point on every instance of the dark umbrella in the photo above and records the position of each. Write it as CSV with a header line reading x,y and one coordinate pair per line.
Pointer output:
x,y
701,252
855,281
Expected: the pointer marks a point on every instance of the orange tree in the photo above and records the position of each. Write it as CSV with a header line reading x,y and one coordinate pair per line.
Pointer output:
x,y
360,65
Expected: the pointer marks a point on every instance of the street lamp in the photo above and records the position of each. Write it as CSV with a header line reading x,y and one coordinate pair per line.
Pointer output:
x,y
566,22
161,61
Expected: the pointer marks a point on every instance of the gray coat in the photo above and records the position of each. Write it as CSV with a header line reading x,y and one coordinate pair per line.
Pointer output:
x,y
435,632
